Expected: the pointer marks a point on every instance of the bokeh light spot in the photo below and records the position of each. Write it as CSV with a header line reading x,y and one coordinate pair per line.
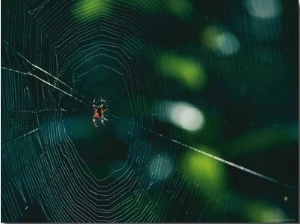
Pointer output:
x,y
181,114
263,212
227,43
221,42
186,116
180,8
86,11
265,9
160,167
186,70
208,173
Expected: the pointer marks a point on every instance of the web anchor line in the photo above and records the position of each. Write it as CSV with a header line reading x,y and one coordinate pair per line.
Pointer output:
x,y
44,72
45,82
233,164
265,177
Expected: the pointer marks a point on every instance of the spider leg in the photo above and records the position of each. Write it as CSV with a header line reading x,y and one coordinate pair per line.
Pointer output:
x,y
103,119
95,123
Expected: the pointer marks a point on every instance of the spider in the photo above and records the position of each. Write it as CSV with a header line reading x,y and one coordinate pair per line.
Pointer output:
x,y
99,106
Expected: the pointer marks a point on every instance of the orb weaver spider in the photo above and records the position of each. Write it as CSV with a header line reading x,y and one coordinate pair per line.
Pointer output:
x,y
100,107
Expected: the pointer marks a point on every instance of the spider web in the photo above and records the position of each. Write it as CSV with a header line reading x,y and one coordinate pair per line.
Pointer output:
x,y
57,167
